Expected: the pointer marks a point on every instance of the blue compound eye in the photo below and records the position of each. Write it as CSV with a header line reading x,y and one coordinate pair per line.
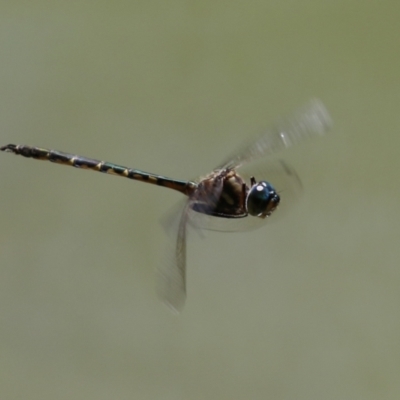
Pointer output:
x,y
262,199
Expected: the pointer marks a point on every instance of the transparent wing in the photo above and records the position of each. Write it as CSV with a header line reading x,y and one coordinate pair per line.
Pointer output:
x,y
280,175
311,120
171,275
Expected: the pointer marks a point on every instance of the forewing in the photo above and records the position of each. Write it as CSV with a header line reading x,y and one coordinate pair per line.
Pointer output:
x,y
309,121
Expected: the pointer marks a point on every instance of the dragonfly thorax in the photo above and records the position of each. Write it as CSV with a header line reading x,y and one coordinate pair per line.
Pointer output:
x,y
262,199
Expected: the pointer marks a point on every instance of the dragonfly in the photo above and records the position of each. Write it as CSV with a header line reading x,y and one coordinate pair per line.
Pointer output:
x,y
230,198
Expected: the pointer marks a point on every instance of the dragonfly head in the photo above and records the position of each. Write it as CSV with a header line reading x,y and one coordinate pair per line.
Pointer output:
x,y
262,199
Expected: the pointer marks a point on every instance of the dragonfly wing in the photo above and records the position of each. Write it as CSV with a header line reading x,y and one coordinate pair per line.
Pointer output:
x,y
311,120
171,279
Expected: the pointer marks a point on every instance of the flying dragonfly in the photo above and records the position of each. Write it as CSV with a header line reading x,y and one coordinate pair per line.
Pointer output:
x,y
230,198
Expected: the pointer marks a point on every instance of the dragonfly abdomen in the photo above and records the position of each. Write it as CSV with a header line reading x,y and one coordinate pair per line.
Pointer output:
x,y
76,161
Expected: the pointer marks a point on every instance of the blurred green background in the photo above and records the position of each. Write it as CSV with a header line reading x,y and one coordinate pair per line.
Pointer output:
x,y
305,308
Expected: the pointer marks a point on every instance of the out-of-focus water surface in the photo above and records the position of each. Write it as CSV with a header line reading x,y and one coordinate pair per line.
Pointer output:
x,y
305,308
